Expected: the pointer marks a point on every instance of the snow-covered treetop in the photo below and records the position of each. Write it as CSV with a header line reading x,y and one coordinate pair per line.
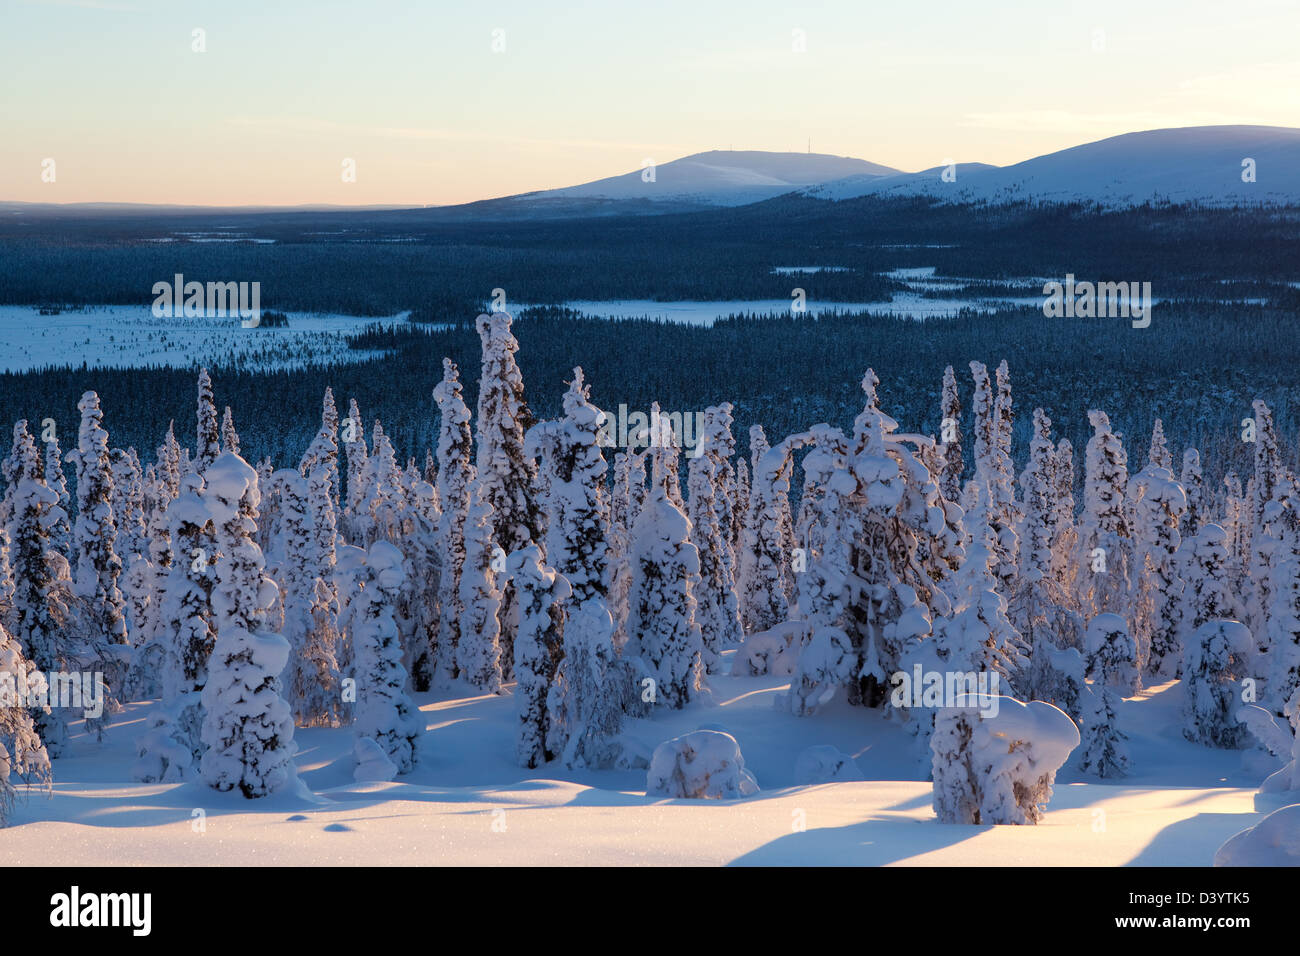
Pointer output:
x,y
230,480
872,425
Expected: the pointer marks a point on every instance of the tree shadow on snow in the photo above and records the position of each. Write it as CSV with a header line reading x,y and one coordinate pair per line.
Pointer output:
x,y
874,842
1193,842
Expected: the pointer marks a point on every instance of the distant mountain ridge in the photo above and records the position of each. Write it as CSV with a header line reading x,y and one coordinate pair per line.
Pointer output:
x,y
721,178
1215,165
1210,165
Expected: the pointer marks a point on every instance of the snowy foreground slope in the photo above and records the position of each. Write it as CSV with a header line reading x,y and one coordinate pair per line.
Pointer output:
x,y
466,803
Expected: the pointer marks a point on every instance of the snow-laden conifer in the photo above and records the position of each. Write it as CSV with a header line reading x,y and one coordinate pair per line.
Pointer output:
x,y
247,724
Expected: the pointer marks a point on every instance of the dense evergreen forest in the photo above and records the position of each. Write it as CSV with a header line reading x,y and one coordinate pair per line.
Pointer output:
x,y
370,263
1198,366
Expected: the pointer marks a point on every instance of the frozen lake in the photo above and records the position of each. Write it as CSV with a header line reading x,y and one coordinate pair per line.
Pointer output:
x,y
130,336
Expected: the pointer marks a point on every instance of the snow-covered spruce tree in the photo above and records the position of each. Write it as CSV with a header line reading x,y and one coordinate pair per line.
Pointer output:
x,y
9,468
1268,462
187,619
539,447
269,535
719,445
993,465
892,546
769,540
665,455
1193,483
1158,506
748,542
169,462
815,527
353,436
1207,591
1039,608
324,448
478,655
1278,654
324,523
6,577
985,425
418,610
1003,490
1269,475
208,433
978,629
998,768
229,437
1105,544
620,544
740,510
97,566
1158,455
148,574
170,748
247,724
36,615
1103,751
950,437
637,492
1111,654
585,701
455,476
1065,539
1039,507
1111,664
128,503
537,650
349,569
505,474
311,682
324,518
22,754
128,520
661,625
1236,525
384,714
60,530
380,513
1214,664
718,607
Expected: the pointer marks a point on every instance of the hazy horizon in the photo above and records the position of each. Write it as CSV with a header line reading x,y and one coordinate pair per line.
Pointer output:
x,y
118,96
413,205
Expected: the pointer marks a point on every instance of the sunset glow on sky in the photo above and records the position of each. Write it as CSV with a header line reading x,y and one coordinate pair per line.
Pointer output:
x,y
115,93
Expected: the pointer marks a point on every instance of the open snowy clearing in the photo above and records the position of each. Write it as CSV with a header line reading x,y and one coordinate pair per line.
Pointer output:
x,y
466,803
119,336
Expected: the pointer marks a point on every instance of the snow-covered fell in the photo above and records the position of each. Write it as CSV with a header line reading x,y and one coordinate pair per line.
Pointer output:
x,y
721,178
1201,164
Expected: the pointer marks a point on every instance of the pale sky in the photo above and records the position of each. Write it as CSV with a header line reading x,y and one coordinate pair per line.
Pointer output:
x,y
113,92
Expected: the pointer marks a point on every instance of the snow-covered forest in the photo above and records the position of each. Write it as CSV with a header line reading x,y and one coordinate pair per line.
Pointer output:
x,y
602,578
